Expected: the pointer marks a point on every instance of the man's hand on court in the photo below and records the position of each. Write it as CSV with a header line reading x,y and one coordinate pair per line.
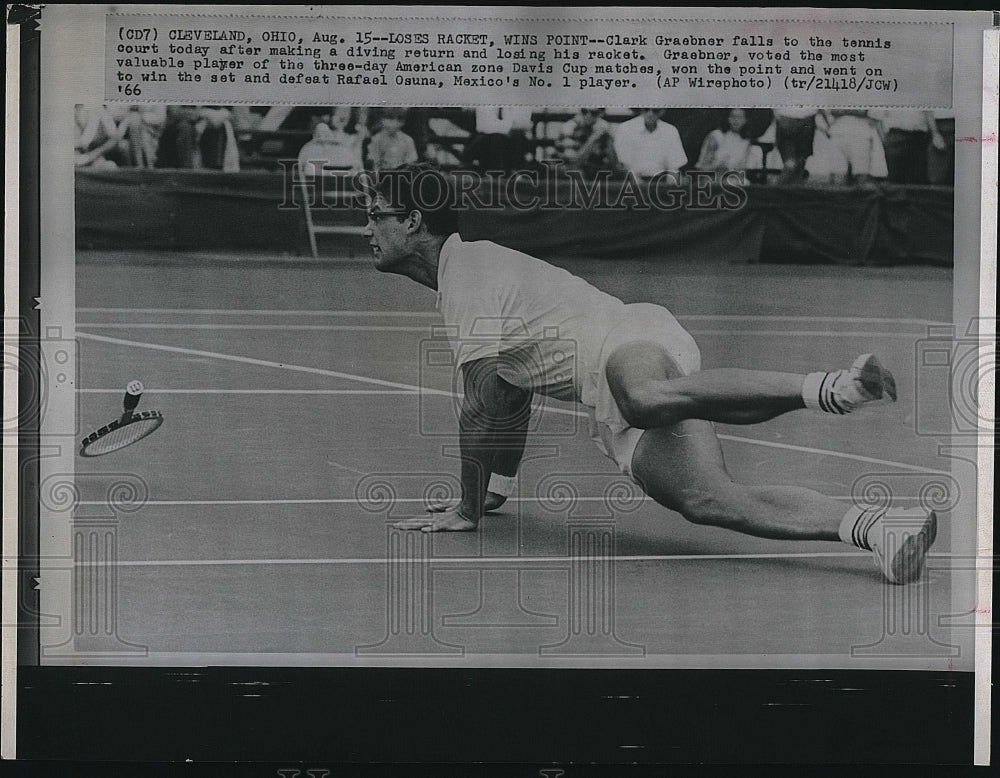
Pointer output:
x,y
447,521
493,501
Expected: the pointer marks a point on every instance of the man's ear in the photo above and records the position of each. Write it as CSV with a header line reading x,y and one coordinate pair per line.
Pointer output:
x,y
413,221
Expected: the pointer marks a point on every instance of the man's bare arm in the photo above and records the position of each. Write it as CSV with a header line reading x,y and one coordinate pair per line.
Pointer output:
x,y
493,420
507,456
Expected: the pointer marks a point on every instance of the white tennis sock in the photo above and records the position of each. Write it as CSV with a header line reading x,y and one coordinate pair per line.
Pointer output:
x,y
817,392
857,522
502,484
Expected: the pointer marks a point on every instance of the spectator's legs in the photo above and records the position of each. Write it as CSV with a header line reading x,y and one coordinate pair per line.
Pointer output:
x,y
136,150
213,147
186,143
941,162
792,170
794,139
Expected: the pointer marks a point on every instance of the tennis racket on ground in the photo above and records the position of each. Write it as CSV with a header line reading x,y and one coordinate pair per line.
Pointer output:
x,y
132,427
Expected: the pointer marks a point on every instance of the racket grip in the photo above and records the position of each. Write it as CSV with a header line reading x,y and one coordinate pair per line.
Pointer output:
x,y
133,392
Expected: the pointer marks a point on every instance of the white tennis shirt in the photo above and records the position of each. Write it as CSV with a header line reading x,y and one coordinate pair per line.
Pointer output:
x,y
548,324
647,153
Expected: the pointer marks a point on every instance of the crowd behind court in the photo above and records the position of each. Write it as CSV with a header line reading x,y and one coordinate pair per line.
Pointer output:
x,y
784,146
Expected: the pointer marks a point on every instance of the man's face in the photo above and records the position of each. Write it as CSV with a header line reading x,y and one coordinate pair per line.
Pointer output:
x,y
340,118
392,125
650,116
737,119
387,235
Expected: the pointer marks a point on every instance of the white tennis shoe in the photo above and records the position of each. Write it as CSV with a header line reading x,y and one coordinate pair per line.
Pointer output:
x,y
866,381
900,541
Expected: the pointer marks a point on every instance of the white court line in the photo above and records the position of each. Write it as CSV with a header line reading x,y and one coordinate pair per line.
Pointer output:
x,y
813,333
259,312
443,393
398,500
431,314
323,501
318,327
258,391
427,329
832,319
263,363
479,560
824,452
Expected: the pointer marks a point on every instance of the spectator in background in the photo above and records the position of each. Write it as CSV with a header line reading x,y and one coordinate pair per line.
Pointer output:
x,y
449,139
391,147
501,138
727,148
854,153
770,158
906,136
98,140
646,145
198,137
333,149
941,155
217,140
586,142
362,125
145,124
178,140
415,125
794,131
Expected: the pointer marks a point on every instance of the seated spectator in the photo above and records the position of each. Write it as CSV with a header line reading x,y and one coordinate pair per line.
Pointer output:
x,y
501,138
646,145
390,146
727,149
906,135
98,140
586,142
332,149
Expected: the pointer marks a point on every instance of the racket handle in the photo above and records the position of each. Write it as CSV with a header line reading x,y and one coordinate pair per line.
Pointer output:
x,y
133,392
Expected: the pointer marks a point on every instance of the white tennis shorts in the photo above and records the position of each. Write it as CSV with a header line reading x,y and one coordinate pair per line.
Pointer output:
x,y
641,322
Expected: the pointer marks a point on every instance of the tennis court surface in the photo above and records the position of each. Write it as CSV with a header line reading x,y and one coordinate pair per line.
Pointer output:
x,y
295,432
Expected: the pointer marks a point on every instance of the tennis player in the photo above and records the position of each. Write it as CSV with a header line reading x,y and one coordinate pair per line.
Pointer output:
x,y
523,326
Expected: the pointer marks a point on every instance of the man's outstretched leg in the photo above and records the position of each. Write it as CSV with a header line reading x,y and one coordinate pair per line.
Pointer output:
x,y
651,391
681,467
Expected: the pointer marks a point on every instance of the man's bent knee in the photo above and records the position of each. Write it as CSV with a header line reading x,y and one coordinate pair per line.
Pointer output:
x,y
638,375
645,406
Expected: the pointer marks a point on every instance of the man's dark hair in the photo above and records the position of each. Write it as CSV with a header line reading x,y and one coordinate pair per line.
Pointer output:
x,y
422,187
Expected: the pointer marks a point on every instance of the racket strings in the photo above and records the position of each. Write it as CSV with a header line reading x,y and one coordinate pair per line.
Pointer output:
x,y
124,434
